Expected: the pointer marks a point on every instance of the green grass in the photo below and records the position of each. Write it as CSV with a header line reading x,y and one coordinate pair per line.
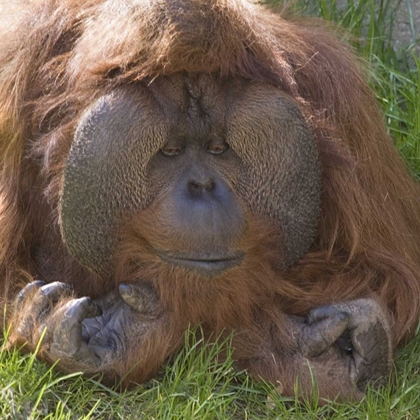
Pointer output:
x,y
394,74
194,385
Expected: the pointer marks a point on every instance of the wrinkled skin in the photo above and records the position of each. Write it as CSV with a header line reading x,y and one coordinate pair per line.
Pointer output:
x,y
91,335
88,335
368,341
357,332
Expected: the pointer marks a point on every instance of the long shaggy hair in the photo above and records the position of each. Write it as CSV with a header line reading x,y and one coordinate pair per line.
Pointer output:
x,y
60,55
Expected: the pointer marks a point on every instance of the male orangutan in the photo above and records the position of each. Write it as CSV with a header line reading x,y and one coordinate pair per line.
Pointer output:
x,y
168,163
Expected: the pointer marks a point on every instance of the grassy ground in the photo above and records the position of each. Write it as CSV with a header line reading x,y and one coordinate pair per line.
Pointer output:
x,y
194,386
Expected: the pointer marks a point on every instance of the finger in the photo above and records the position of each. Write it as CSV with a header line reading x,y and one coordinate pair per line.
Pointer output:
x,y
320,313
371,353
27,291
369,342
42,298
48,295
68,333
141,296
319,337
82,308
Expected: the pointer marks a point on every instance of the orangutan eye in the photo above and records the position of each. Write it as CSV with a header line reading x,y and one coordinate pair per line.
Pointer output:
x,y
217,148
170,150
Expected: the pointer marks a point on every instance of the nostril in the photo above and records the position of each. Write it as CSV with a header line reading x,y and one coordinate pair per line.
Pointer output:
x,y
196,187
210,185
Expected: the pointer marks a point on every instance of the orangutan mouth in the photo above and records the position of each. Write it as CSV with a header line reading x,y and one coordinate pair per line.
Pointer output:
x,y
207,264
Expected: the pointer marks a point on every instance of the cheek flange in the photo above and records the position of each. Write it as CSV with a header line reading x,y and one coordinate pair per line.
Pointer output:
x,y
105,173
281,178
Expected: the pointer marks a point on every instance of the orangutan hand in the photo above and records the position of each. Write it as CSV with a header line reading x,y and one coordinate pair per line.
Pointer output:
x,y
84,334
358,332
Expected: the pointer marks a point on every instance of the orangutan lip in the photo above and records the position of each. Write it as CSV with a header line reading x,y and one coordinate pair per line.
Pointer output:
x,y
208,265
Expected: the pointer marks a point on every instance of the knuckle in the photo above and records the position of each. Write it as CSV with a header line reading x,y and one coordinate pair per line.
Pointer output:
x,y
78,309
55,288
29,289
342,317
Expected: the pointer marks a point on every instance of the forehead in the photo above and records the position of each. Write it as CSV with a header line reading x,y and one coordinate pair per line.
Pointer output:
x,y
195,105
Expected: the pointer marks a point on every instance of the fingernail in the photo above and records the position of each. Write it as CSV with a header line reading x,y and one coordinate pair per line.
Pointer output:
x,y
125,289
38,283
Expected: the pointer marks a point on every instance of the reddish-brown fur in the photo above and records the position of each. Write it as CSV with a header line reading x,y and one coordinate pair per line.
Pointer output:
x,y
58,60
